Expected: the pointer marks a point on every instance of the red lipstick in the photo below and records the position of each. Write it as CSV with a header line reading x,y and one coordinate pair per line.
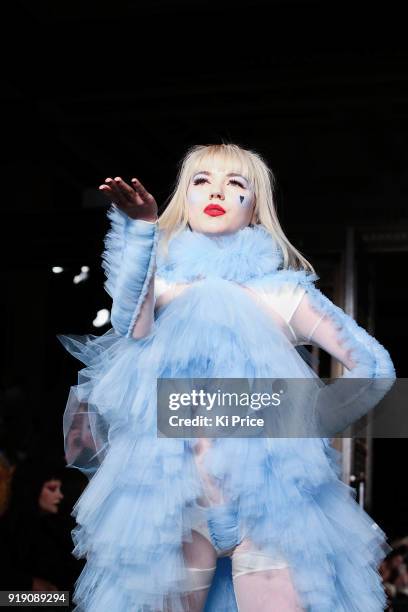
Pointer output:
x,y
214,210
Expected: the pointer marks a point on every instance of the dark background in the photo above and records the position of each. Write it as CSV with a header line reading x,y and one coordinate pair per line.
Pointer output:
x,y
97,89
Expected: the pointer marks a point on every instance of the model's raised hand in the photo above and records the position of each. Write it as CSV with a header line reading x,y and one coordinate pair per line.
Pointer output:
x,y
133,200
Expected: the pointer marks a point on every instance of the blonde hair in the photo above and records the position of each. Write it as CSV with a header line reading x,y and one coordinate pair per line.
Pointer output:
x,y
248,163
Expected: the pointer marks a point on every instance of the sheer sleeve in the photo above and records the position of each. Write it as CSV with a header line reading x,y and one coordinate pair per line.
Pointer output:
x,y
370,372
320,322
129,260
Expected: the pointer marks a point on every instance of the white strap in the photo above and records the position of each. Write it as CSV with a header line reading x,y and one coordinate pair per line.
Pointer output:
x,y
312,331
200,578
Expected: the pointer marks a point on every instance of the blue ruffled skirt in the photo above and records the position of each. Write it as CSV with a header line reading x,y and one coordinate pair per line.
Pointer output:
x,y
287,496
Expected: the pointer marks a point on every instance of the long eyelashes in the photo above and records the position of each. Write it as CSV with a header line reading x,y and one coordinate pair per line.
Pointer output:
x,y
200,180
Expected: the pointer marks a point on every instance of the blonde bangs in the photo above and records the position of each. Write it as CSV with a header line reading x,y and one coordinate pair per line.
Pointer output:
x,y
228,157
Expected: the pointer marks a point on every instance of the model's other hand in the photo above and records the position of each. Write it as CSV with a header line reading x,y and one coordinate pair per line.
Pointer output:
x,y
133,200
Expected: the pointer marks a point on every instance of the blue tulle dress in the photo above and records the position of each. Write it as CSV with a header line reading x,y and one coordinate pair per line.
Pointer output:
x,y
283,493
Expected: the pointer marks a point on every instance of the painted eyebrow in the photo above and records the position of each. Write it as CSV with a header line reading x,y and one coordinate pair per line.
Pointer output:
x,y
229,174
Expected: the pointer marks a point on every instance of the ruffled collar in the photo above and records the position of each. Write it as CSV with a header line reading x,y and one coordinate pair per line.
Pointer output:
x,y
248,253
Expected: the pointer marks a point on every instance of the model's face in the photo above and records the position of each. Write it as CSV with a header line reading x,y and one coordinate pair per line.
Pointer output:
x,y
219,201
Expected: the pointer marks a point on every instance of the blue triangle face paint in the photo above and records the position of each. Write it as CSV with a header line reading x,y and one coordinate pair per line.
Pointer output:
x,y
244,200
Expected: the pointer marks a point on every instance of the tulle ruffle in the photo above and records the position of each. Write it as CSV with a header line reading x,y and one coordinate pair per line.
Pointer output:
x,y
250,253
133,517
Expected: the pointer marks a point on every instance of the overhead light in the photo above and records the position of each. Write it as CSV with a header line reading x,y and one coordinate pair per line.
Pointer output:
x,y
57,269
102,318
83,275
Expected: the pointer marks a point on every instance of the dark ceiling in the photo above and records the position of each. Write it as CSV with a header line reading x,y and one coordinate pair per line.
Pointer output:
x,y
92,89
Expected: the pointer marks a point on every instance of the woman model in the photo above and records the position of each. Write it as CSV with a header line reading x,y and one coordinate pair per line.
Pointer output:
x,y
213,289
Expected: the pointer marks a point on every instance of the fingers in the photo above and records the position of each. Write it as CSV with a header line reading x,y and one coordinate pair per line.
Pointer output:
x,y
143,193
134,200
109,189
114,190
126,191
125,195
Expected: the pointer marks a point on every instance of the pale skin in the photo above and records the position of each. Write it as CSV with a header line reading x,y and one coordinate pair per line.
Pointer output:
x,y
222,186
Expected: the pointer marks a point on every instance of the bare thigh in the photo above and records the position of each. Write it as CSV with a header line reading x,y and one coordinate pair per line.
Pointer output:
x,y
201,558
262,583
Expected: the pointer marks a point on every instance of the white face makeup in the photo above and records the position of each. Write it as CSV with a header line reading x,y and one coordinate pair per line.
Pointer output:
x,y
220,201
